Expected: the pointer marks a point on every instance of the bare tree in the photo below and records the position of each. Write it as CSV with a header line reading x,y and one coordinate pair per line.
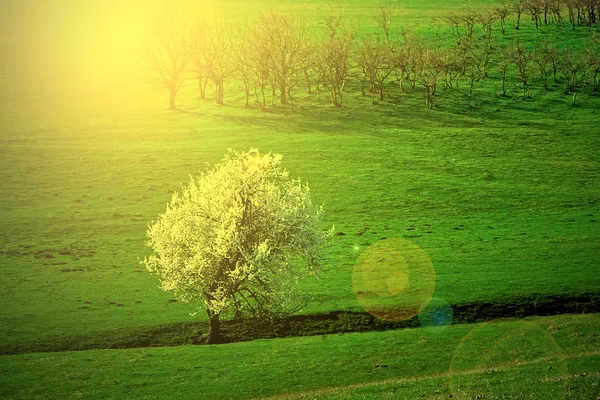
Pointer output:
x,y
309,62
455,21
462,24
384,20
408,57
476,60
452,70
535,9
242,59
219,64
518,6
361,56
592,55
503,62
169,54
432,65
260,62
589,12
332,56
401,64
540,58
591,9
299,70
571,7
555,10
546,8
503,10
284,32
486,18
198,53
486,54
384,65
375,60
521,59
552,55
469,18
574,67
583,11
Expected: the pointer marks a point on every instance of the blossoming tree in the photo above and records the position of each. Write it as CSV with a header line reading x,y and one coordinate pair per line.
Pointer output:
x,y
238,239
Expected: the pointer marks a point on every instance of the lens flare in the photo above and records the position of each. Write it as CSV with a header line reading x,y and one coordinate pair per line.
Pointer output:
x,y
393,279
517,349
437,313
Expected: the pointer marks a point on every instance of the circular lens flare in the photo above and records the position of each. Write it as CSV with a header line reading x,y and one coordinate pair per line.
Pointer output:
x,y
437,313
393,279
396,283
520,351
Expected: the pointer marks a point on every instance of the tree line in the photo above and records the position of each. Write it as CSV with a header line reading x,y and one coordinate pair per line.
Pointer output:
x,y
277,55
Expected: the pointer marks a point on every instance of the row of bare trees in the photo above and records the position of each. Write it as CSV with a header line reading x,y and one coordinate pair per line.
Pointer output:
x,y
270,54
574,70
274,57
578,12
542,64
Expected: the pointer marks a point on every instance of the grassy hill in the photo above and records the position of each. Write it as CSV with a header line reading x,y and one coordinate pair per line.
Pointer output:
x,y
500,192
545,357
505,207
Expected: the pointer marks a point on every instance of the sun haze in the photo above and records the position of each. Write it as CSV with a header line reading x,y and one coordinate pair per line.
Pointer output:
x,y
68,54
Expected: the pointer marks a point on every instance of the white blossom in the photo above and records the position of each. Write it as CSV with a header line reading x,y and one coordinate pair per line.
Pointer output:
x,y
239,237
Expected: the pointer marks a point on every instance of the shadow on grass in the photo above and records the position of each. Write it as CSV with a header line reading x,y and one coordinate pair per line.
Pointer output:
x,y
182,111
308,325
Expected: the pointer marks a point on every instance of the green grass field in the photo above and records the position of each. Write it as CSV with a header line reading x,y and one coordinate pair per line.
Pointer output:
x,y
553,357
501,193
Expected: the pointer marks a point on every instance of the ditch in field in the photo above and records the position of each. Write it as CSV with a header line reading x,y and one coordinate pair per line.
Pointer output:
x,y
308,325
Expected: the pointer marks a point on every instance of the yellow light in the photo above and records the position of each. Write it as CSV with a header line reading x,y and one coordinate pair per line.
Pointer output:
x,y
393,279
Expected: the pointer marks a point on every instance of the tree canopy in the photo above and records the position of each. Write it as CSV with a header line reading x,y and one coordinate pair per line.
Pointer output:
x,y
238,239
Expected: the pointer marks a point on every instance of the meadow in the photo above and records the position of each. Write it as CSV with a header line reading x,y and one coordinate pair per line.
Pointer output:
x,y
542,357
500,192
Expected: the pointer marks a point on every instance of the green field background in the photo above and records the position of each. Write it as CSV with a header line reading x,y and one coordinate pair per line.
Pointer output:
x,y
501,193
503,196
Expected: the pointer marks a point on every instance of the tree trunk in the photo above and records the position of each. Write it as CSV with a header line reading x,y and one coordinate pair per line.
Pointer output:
x,y
202,87
338,98
282,93
203,93
172,99
247,91
307,78
263,104
273,94
214,328
428,97
576,93
291,97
